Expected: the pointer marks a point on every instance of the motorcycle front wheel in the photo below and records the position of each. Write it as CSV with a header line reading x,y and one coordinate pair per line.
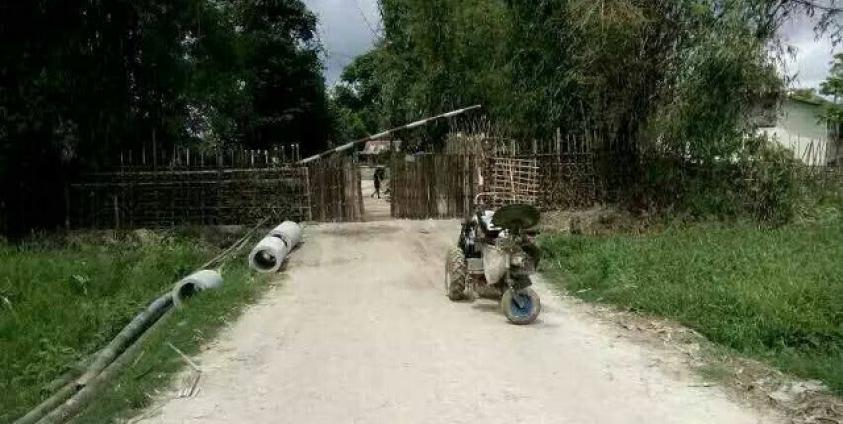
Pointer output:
x,y
455,275
521,307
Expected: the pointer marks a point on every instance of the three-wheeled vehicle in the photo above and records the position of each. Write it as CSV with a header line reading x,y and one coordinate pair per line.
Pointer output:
x,y
494,258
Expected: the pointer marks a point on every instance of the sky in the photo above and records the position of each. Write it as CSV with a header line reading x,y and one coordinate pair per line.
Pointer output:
x,y
349,28
813,57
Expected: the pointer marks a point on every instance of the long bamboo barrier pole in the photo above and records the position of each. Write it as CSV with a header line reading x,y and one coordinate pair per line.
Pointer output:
x,y
386,133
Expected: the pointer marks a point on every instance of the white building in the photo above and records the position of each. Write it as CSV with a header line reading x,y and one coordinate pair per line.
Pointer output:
x,y
799,127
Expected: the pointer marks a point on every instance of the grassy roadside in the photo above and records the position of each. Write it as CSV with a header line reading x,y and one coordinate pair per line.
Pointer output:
x,y
60,303
771,294
188,329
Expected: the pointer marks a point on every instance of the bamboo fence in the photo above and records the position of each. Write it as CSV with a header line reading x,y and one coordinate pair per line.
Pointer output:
x,y
335,191
431,186
155,199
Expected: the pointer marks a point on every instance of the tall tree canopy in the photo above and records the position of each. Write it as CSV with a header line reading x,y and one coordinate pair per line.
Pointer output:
x,y
355,98
686,71
833,113
285,80
833,87
81,80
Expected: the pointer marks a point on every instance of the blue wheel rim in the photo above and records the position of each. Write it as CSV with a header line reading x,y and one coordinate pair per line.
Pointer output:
x,y
521,311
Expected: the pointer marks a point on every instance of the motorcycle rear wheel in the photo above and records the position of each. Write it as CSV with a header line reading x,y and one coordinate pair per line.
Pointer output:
x,y
521,307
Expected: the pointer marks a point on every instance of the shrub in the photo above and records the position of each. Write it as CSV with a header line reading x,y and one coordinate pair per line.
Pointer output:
x,y
761,180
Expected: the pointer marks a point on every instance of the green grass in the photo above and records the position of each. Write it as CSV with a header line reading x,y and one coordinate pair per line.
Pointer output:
x,y
771,294
63,302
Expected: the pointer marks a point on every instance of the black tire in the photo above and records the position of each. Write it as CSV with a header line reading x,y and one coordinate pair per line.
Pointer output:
x,y
455,275
527,311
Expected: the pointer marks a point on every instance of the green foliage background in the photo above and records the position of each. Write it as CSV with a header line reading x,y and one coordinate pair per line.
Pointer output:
x,y
681,80
82,80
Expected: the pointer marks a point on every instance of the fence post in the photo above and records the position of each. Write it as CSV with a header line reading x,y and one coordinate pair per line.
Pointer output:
x,y
116,213
154,150
558,140
67,206
306,172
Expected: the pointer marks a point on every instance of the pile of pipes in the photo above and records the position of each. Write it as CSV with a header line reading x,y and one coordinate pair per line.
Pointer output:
x,y
270,253
76,393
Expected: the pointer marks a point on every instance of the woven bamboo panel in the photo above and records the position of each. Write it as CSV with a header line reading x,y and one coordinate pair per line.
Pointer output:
x,y
512,180
155,199
431,186
335,190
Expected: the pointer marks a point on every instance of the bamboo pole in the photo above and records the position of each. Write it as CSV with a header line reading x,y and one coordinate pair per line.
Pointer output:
x,y
49,404
73,406
102,360
130,332
105,364
386,133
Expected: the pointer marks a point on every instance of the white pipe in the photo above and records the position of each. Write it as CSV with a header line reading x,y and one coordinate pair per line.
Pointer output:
x,y
268,255
290,232
194,283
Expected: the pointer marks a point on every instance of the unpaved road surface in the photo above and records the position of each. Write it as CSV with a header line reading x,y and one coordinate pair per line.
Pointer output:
x,y
360,332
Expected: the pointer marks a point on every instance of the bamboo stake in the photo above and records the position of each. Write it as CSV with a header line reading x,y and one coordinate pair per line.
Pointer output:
x,y
185,357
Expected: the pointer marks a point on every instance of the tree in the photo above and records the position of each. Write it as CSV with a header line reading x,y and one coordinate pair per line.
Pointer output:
x,y
687,71
833,87
284,77
355,99
82,80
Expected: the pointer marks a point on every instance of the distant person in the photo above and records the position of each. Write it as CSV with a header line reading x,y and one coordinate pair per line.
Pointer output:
x,y
379,175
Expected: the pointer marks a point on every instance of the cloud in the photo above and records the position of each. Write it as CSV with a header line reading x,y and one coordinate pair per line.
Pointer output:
x,y
812,61
347,28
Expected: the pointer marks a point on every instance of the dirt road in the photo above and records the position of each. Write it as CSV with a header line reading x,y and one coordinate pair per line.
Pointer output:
x,y
361,332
